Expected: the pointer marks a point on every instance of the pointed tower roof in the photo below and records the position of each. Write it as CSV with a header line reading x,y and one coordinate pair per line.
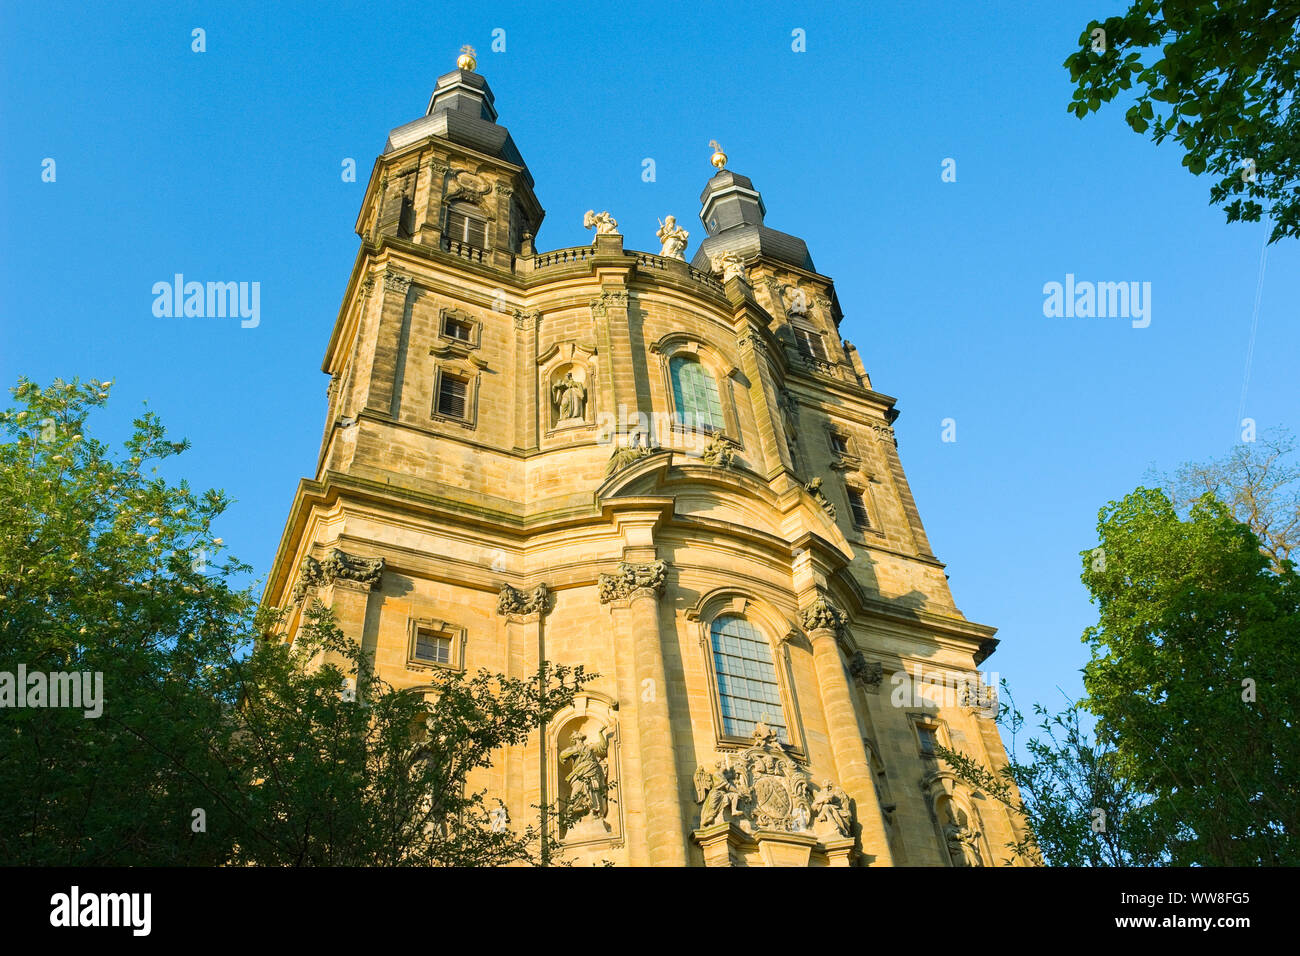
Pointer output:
x,y
732,211
461,110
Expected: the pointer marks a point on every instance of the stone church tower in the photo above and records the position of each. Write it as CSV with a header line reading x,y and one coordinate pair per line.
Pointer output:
x,y
676,474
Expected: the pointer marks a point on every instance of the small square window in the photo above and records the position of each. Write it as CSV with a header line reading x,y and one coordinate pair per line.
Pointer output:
x,y
453,396
858,504
432,647
839,444
459,329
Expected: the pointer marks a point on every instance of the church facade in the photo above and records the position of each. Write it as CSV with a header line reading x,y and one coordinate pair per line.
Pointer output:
x,y
674,473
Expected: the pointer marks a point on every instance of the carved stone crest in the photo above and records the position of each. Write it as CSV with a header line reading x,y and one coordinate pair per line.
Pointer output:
x,y
466,186
719,451
760,788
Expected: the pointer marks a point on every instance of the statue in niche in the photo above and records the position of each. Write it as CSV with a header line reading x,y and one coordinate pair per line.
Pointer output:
x,y
604,223
569,398
963,842
586,778
499,817
673,237
832,807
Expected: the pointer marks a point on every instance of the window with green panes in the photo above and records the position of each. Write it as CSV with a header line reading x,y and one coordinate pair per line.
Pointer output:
x,y
695,395
747,687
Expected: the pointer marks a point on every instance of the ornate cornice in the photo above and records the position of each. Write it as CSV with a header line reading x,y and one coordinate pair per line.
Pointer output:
x,y
631,579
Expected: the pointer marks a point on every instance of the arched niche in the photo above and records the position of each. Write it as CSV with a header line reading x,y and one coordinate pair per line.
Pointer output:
x,y
583,770
567,387
959,827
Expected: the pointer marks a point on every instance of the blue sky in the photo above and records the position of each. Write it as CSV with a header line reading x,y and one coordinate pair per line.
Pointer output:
x,y
226,165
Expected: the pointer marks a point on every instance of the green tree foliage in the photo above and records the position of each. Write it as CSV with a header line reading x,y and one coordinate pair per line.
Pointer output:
x,y
1080,808
1195,676
108,569
1217,78
1193,687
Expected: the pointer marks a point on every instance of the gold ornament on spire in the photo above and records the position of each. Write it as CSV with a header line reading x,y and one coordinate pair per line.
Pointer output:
x,y
466,59
719,158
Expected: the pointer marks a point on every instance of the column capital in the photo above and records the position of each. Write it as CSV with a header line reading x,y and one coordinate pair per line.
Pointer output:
x,y
517,605
338,565
823,615
633,580
396,282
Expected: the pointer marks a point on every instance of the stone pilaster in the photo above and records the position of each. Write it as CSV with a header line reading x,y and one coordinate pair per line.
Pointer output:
x,y
394,316
636,588
823,621
522,614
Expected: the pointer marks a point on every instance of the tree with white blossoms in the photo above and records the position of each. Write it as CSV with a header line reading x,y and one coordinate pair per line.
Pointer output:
x,y
218,743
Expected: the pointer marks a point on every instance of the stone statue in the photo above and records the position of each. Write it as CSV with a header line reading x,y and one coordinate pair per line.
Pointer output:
x,y
730,264
569,396
718,451
673,238
814,488
718,793
963,842
586,778
606,225
799,818
832,807
499,817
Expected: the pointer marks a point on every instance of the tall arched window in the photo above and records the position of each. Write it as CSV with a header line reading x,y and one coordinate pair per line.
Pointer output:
x,y
695,394
747,687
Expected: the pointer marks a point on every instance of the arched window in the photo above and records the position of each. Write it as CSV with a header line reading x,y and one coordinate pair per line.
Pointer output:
x,y
747,687
695,394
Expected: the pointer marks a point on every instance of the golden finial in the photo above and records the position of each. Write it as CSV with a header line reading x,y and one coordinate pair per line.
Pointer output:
x,y
466,59
719,158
